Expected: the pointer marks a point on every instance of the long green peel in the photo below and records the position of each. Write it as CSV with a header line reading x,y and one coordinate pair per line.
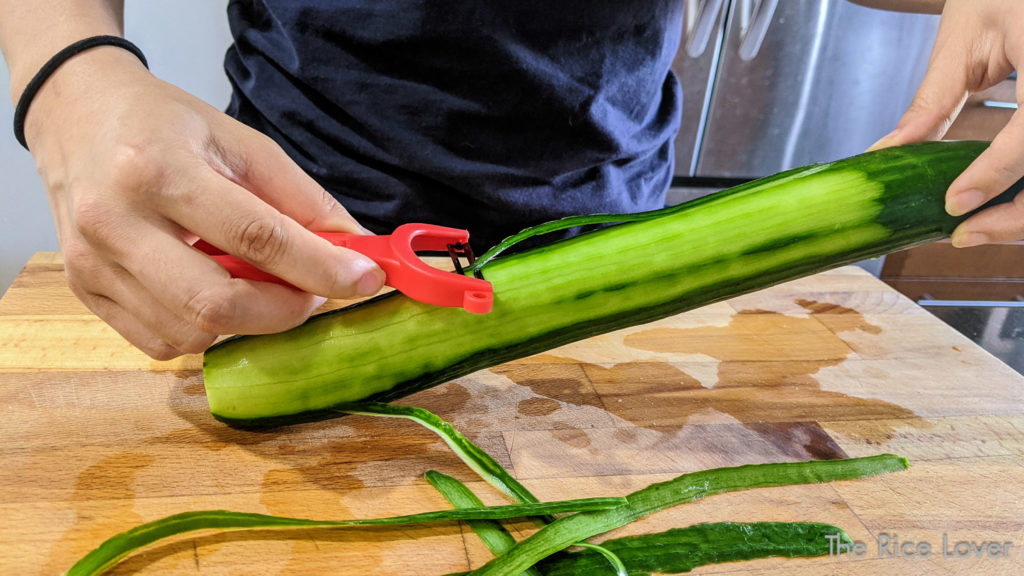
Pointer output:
x,y
674,551
493,534
679,550
119,546
479,461
686,488
589,517
683,549
574,529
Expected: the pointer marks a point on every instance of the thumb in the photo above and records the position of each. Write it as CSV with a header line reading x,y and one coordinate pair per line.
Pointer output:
x,y
258,164
937,102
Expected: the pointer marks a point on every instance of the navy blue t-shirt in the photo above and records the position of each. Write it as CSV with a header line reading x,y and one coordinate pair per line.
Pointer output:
x,y
489,115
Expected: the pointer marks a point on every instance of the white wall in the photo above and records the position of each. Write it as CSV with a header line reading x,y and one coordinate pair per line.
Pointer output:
x,y
184,42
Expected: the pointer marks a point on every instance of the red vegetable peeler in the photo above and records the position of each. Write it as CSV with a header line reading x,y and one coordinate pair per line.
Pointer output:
x,y
396,255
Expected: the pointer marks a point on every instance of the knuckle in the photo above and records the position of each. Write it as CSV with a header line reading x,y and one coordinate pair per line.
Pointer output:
x,y
230,162
260,241
159,350
77,257
78,288
329,205
93,218
135,167
81,267
212,313
76,281
196,344
192,341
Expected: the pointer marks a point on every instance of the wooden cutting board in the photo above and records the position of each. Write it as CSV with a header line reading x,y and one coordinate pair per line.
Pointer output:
x,y
97,438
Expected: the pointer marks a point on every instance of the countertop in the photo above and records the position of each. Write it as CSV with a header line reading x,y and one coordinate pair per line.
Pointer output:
x,y
97,438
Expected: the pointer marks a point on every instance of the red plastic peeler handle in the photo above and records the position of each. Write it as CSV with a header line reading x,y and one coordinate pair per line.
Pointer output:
x,y
396,255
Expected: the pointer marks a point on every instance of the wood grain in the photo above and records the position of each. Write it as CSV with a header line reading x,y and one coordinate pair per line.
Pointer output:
x,y
98,438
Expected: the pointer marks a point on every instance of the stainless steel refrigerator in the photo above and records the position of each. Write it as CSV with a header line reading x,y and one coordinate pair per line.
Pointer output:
x,y
773,84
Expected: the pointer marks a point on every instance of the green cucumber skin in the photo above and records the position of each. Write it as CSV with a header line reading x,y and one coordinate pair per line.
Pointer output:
x,y
758,234
681,550
682,489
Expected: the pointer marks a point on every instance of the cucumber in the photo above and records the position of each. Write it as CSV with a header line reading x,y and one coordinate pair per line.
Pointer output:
x,y
752,236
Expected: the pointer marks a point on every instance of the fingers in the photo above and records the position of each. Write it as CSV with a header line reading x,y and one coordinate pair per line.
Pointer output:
x,y
173,300
998,168
1003,223
139,318
267,222
938,100
258,164
203,295
164,296
128,327
114,295
995,170
134,186
975,49
229,217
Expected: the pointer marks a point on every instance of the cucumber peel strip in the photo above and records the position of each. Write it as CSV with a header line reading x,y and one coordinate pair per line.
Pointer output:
x,y
472,455
686,488
674,551
119,546
615,561
680,550
494,535
475,458
590,516
561,224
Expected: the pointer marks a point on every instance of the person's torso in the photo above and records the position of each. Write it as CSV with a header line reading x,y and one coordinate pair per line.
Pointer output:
x,y
482,114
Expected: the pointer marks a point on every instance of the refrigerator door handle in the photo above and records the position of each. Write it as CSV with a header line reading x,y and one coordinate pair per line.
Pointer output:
x,y
701,17
755,18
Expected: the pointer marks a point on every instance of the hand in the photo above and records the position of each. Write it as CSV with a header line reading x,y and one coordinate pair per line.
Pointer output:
x,y
980,42
136,170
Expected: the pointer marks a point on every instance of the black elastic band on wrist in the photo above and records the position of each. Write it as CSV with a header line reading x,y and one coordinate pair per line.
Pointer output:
x,y
52,64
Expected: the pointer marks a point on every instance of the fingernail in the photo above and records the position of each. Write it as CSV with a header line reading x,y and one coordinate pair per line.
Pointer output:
x,y
370,283
964,202
366,231
968,239
318,301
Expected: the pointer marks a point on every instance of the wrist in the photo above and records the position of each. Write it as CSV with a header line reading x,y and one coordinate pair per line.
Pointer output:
x,y
77,80
32,32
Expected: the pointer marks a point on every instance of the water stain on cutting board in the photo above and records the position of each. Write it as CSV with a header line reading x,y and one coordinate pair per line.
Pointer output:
x,y
767,366
110,480
538,406
444,400
315,476
766,379
311,491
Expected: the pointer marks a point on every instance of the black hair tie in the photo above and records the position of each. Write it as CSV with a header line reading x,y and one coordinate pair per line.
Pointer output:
x,y
52,64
